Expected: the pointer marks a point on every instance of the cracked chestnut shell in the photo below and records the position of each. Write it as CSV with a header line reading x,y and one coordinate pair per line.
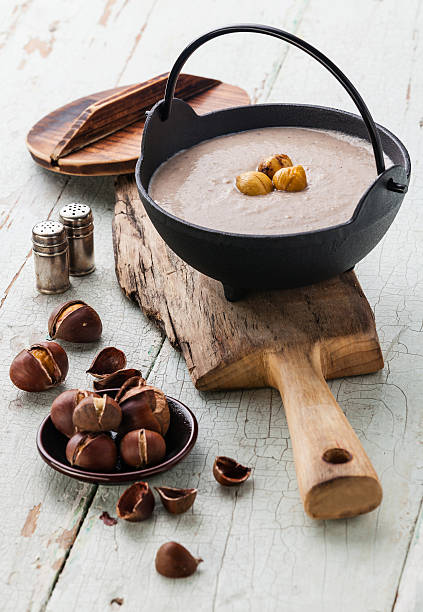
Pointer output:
x,y
40,367
97,414
174,561
116,379
229,472
107,361
142,447
176,501
92,451
136,503
63,408
136,381
75,321
144,407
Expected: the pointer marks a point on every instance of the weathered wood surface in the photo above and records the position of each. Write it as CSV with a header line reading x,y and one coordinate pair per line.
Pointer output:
x,y
100,134
257,544
288,339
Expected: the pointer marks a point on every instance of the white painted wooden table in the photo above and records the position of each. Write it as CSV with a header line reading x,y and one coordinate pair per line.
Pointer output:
x,y
260,551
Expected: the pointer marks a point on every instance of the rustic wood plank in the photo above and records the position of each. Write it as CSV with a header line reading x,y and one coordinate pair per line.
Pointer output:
x,y
53,56
41,526
258,546
410,591
42,511
289,561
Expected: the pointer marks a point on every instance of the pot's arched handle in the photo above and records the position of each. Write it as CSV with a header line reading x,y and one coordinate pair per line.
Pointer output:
x,y
297,42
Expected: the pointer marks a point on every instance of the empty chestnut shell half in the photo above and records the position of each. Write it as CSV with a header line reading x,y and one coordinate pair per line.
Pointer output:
x,y
75,321
116,379
107,361
40,367
229,472
92,451
174,561
136,503
63,408
144,407
142,447
97,414
176,501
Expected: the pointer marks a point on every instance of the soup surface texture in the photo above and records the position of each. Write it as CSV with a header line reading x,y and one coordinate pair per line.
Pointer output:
x,y
198,184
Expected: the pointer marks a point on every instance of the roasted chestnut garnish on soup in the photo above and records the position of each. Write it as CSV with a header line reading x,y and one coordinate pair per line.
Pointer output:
x,y
39,367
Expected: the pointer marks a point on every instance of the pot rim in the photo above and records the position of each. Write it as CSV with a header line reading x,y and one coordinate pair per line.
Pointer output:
x,y
145,194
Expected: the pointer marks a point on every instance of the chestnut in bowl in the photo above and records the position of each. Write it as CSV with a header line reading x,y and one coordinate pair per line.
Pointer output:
x,y
180,439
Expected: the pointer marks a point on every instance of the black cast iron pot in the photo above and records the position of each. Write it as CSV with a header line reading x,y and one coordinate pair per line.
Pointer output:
x,y
243,261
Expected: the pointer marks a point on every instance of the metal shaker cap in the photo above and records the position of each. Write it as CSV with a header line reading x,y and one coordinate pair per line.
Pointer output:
x,y
49,234
76,215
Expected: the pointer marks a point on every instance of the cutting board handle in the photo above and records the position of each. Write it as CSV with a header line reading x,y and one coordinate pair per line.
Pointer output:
x,y
335,476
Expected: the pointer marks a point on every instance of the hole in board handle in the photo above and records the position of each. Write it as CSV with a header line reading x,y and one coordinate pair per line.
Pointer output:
x,y
336,455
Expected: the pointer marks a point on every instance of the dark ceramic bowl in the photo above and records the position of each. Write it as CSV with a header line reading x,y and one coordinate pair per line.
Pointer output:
x,y
180,439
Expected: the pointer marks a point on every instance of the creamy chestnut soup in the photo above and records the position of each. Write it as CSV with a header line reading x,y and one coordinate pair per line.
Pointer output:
x,y
198,184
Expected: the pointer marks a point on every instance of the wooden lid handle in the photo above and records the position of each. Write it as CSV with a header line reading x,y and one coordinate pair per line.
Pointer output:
x,y
335,476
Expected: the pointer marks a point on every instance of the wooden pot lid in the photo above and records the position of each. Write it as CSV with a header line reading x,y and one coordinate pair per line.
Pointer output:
x,y
100,134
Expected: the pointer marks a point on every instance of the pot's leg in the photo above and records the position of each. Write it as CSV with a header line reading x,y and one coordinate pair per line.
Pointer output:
x,y
233,294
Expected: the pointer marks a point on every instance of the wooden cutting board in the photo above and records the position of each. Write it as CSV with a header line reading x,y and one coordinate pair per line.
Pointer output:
x,y
289,339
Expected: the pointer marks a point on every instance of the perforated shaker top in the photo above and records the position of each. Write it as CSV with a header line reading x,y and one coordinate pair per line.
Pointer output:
x,y
48,233
75,214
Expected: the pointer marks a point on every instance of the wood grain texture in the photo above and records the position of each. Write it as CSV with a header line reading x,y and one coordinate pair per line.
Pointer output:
x,y
260,551
288,339
100,134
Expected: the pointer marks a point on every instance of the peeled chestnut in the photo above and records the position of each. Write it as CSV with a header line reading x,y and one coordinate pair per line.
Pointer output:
x,y
142,447
144,407
92,451
176,501
229,472
136,503
116,379
63,408
107,361
174,561
290,179
254,183
272,164
40,367
97,414
75,321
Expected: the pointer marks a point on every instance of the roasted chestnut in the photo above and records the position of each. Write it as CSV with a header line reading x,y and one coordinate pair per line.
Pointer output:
x,y
142,447
97,414
176,501
229,472
144,407
63,407
136,503
75,321
92,451
135,381
107,361
40,367
116,379
174,561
